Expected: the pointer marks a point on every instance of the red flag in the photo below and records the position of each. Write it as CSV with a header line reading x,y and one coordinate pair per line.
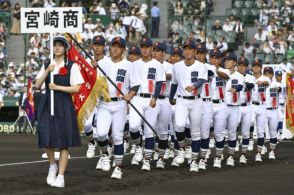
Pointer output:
x,y
92,88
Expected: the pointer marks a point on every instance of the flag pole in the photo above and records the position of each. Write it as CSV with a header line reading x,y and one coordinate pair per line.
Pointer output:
x,y
51,75
115,86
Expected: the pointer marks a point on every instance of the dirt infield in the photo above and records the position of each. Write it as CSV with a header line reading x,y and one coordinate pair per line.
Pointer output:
x,y
29,175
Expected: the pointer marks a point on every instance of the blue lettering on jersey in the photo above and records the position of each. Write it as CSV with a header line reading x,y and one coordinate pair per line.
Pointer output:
x,y
234,82
261,88
219,82
121,73
151,73
194,76
273,92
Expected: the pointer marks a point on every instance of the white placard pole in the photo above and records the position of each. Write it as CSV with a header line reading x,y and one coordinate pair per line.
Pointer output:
x,y
51,75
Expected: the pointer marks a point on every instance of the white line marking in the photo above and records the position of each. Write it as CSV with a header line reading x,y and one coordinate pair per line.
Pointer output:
x,y
42,161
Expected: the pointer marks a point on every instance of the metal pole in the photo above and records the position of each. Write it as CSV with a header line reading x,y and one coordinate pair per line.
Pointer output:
x,y
109,79
205,18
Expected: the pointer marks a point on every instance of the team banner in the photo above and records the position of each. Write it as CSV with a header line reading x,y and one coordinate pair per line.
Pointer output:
x,y
57,19
91,90
290,102
30,101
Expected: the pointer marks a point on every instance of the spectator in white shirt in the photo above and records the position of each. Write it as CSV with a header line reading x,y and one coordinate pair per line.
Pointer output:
x,y
87,35
99,31
89,25
260,35
209,43
110,34
248,50
100,9
227,27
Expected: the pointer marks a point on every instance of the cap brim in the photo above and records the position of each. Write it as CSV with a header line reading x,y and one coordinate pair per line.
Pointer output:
x,y
122,45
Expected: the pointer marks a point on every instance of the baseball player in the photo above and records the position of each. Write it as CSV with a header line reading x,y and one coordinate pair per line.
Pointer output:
x,y
245,109
258,104
188,78
164,116
97,46
152,76
134,53
113,114
175,57
220,110
232,98
207,108
282,100
272,107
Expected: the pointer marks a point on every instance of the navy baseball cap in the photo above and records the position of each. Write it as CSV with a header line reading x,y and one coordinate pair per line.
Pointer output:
x,y
63,40
231,56
159,46
215,52
201,47
190,44
147,42
243,60
135,50
268,69
257,62
98,40
278,73
119,40
176,50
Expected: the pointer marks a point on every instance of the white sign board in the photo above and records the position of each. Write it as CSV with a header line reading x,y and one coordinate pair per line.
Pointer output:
x,y
51,20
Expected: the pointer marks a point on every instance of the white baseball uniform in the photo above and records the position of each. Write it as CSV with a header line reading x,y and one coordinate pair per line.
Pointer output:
x,y
188,105
114,113
233,101
150,73
259,109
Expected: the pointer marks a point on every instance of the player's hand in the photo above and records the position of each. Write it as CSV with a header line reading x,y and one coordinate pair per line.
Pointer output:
x,y
94,63
128,97
152,103
232,90
172,102
53,86
50,68
190,89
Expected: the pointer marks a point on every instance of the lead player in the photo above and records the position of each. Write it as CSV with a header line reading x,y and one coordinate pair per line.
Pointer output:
x,y
232,98
152,76
188,78
258,104
245,106
113,114
97,46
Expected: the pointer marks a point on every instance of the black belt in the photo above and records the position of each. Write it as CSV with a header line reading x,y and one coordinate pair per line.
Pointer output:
x,y
189,97
145,95
271,108
115,99
281,104
257,103
217,101
161,97
232,105
206,99
243,104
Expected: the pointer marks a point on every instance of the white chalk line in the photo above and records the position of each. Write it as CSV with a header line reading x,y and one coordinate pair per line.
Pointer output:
x,y
43,161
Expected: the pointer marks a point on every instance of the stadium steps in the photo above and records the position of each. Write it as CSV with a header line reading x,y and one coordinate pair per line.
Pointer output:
x,y
15,49
220,6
